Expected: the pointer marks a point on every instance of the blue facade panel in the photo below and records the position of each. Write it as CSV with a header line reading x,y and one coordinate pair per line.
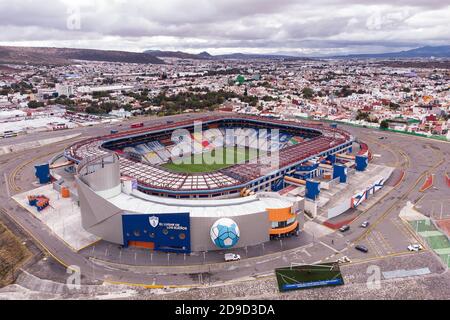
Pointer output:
x,y
308,168
312,189
43,173
362,163
278,185
332,158
341,172
168,232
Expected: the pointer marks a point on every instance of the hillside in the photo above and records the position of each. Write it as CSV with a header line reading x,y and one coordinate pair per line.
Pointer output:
x,y
12,255
59,56
175,54
423,52
207,56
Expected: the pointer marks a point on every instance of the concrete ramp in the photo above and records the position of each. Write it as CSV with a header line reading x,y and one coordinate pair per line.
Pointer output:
x,y
35,144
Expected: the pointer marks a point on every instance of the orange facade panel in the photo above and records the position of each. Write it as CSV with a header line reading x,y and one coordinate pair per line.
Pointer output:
x,y
276,232
280,215
142,245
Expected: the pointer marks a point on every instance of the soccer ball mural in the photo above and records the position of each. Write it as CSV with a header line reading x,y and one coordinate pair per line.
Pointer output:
x,y
225,233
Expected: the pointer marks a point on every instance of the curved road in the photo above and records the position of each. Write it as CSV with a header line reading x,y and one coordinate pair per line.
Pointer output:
x,y
387,237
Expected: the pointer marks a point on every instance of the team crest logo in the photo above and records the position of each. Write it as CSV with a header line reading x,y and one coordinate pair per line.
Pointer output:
x,y
154,221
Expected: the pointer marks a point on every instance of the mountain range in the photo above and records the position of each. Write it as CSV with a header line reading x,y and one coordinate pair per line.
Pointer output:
x,y
62,56
423,52
207,56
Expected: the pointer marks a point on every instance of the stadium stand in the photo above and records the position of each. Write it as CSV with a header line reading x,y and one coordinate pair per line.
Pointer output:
x,y
142,151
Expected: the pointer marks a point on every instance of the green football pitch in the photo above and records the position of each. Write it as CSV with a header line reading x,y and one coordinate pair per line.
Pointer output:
x,y
212,160
307,276
435,239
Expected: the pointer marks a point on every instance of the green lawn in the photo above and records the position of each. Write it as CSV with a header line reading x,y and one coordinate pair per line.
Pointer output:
x,y
438,242
423,226
435,239
213,160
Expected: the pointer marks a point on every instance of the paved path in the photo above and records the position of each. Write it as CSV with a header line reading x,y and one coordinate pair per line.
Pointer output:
x,y
387,237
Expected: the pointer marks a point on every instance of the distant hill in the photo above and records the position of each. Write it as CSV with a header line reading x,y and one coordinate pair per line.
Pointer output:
x,y
207,56
60,56
423,52
244,56
177,54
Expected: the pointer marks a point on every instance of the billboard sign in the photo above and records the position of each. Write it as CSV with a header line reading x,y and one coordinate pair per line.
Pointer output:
x,y
314,284
309,276
166,232
362,196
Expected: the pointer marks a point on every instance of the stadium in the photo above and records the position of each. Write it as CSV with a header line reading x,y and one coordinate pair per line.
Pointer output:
x,y
208,184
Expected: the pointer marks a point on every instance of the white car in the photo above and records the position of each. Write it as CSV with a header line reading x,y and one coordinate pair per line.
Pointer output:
x,y
230,257
415,248
344,260
365,224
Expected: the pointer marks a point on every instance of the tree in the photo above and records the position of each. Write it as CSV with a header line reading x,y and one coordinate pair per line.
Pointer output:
x,y
394,106
308,93
92,110
35,104
384,125
128,107
362,115
5,92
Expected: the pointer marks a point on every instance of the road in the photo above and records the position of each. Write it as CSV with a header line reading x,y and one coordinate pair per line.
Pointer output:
x,y
387,237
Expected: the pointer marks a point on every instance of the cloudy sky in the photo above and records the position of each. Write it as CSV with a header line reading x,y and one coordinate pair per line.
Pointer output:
x,y
301,27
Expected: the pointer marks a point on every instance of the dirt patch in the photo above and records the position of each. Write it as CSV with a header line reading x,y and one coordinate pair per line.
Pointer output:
x,y
13,254
444,225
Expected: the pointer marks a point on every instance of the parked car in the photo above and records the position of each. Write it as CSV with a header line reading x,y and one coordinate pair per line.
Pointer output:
x,y
362,248
415,248
344,260
365,224
230,257
344,229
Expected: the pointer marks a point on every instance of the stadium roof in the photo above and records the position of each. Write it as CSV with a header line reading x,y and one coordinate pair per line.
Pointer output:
x,y
139,202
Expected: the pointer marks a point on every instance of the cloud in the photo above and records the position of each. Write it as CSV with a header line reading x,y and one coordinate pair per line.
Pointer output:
x,y
306,26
